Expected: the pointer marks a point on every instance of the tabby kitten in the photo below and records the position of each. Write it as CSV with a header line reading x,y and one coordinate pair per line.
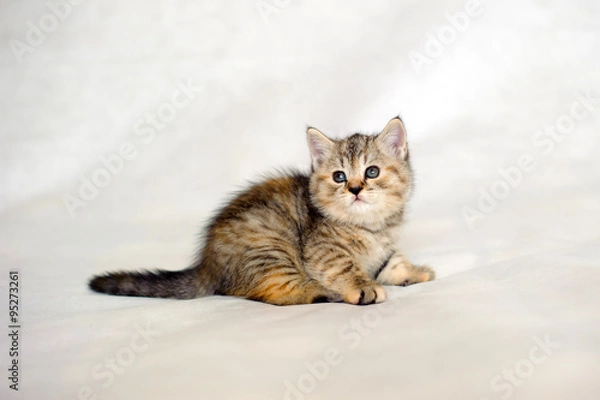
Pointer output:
x,y
303,238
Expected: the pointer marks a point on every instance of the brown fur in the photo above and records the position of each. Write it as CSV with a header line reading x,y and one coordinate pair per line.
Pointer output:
x,y
297,238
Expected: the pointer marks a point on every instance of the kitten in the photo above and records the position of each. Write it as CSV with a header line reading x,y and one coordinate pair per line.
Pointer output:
x,y
303,238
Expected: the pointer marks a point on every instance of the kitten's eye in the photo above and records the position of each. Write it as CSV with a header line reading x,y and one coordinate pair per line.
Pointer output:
x,y
372,172
339,176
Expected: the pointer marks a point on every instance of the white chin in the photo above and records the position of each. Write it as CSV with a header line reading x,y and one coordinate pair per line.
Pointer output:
x,y
359,207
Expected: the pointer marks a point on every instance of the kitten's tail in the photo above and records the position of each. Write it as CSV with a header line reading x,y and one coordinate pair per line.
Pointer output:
x,y
168,284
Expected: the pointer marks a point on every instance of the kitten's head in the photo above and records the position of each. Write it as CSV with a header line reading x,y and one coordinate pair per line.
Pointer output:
x,y
362,180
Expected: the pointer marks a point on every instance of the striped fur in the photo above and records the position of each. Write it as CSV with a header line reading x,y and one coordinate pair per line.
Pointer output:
x,y
303,238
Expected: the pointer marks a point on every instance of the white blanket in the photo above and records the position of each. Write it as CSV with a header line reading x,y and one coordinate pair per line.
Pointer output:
x,y
124,125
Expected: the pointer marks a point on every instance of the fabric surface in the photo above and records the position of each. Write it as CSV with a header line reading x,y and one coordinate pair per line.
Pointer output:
x,y
124,125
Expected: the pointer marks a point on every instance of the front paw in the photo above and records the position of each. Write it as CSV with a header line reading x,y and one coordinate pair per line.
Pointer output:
x,y
419,274
369,293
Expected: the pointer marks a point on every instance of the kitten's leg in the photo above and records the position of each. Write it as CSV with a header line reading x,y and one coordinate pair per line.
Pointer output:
x,y
340,274
283,284
353,284
305,292
399,271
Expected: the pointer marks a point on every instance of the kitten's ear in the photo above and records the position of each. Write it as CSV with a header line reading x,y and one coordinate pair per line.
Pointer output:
x,y
393,138
319,144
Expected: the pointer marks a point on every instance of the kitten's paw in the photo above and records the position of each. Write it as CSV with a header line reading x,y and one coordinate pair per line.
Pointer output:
x,y
418,275
427,274
367,294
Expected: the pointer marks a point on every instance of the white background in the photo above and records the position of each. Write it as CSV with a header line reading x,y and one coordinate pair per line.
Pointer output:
x,y
528,267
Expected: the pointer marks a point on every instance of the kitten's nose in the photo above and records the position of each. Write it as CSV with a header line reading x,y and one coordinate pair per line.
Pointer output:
x,y
355,190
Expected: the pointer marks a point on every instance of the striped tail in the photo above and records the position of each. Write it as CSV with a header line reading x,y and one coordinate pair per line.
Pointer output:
x,y
167,284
